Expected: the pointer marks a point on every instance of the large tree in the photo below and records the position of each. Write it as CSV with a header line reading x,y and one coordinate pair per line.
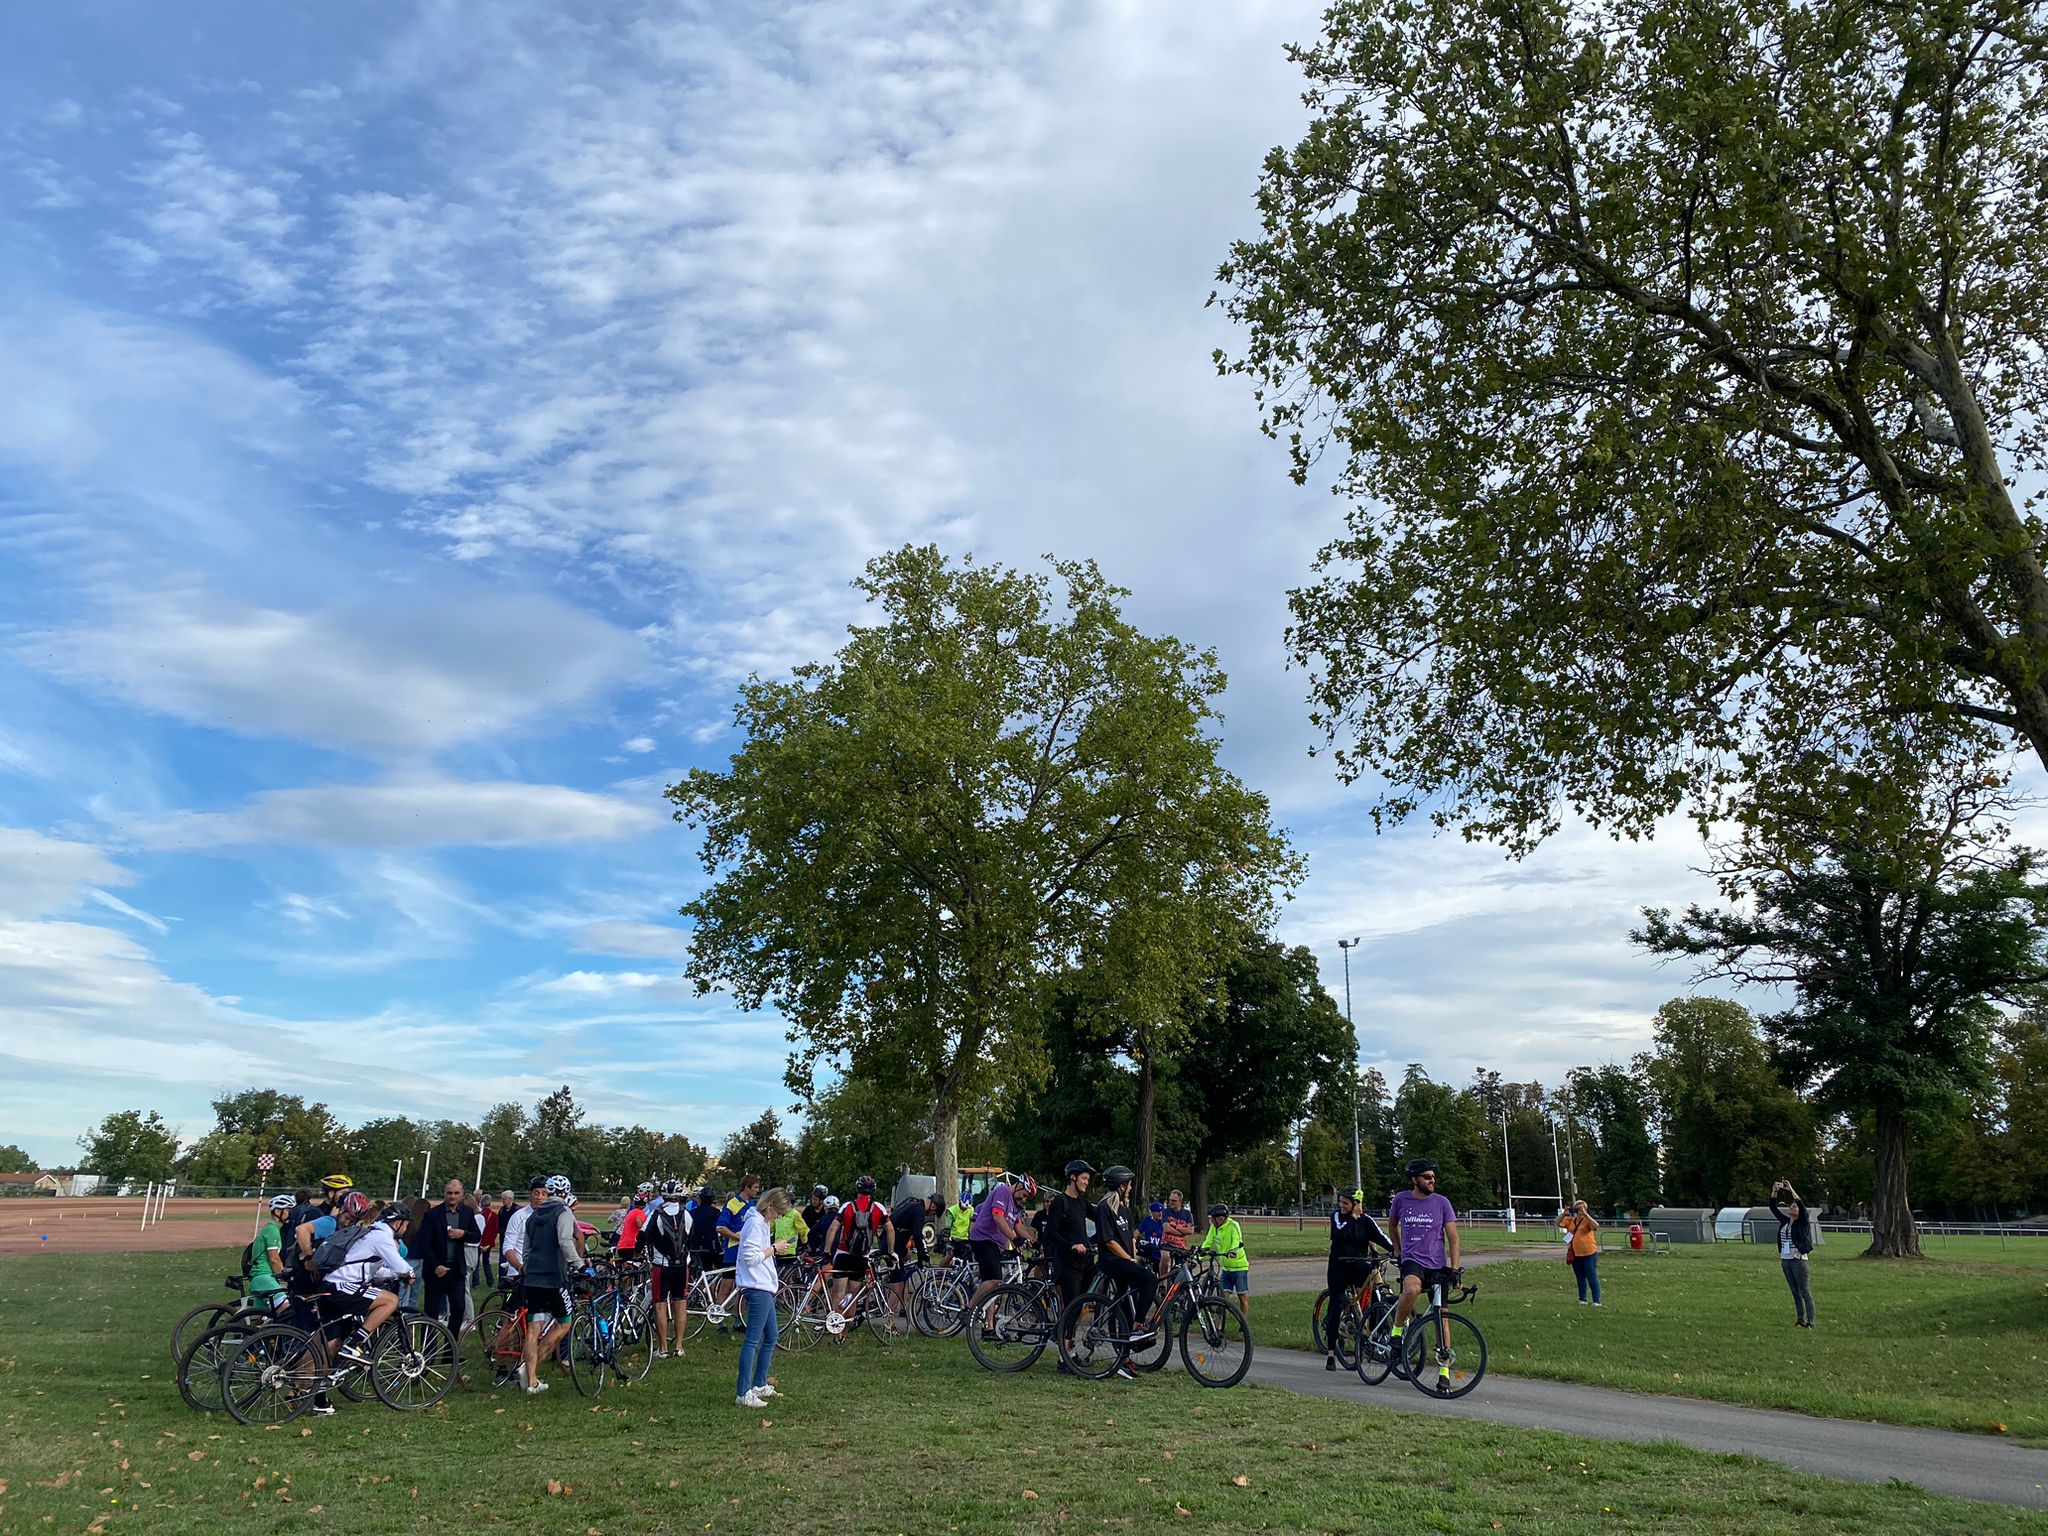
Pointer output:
x,y
14,1160
985,784
1727,1123
1681,362
1617,1103
1898,924
132,1146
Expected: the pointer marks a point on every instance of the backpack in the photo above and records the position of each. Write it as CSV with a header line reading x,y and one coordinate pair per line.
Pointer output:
x,y
667,1233
857,1234
333,1252
288,1228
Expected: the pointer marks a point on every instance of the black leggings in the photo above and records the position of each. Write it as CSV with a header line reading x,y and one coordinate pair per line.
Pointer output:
x,y
1135,1278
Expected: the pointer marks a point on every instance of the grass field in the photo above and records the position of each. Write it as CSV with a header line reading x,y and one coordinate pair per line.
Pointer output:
x,y
1953,1345
869,1440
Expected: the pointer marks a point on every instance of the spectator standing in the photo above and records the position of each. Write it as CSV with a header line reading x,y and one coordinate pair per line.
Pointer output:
x,y
413,1292
490,1227
756,1276
817,1215
1583,1249
440,1241
1179,1232
1152,1237
1795,1243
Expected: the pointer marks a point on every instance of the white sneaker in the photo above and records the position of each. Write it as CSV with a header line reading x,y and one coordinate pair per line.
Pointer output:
x,y
661,1354
535,1388
765,1392
751,1400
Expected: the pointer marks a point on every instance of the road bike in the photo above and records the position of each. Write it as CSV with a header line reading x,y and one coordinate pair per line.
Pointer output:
x,y
1215,1340
708,1308
212,1314
1441,1352
610,1338
276,1373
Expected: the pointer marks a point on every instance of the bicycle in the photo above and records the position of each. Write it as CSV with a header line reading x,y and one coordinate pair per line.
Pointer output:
x,y
870,1303
277,1373
1010,1327
1214,1337
707,1308
609,1338
937,1301
1432,1338
209,1315
1374,1292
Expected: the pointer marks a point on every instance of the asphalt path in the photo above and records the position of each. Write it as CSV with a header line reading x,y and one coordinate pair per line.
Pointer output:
x,y
1967,1466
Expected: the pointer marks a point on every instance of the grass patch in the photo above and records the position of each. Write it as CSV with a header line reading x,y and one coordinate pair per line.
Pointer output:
x,y
1949,1345
99,1443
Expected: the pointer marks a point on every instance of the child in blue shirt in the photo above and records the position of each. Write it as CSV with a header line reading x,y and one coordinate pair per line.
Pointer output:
x,y
1152,1233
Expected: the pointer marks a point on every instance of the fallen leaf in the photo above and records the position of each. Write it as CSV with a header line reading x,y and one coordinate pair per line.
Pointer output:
x,y
1996,1428
1166,1455
1240,1481
554,1486
1029,1494
305,1434
1144,1479
765,1424
1182,1510
195,1455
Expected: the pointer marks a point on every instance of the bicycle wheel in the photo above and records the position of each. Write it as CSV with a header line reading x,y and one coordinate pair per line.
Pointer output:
x,y
1010,1329
590,1352
199,1370
1150,1357
1316,1335
1377,1349
632,1345
698,1307
801,1323
204,1318
1345,1330
272,1376
881,1315
413,1365
1445,1369
1216,1343
944,1309
1095,1334
490,1350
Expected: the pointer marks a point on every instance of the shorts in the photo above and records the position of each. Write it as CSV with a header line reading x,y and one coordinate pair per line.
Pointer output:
x,y
546,1301
339,1309
1428,1274
671,1282
1237,1280
853,1266
988,1258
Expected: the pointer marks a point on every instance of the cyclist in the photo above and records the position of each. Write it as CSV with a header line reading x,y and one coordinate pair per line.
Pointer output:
x,y
1425,1242
817,1215
995,1229
791,1234
343,1208
1180,1230
908,1220
959,1218
357,1293
635,1219
704,1246
862,1224
1353,1237
551,1259
1063,1231
266,1254
1225,1239
1116,1253
665,1235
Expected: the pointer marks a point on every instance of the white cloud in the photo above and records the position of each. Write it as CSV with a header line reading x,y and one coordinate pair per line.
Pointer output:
x,y
648,941
398,674
41,874
638,744
613,984
115,904
422,813
226,223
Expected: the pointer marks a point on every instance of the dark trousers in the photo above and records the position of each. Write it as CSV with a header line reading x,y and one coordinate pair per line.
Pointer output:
x,y
1802,1294
1070,1274
447,1295
1136,1278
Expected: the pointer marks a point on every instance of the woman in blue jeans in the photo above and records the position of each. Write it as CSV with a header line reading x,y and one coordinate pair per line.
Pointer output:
x,y
755,1280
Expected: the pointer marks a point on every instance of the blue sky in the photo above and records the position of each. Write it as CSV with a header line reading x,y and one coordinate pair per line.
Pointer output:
x,y
416,420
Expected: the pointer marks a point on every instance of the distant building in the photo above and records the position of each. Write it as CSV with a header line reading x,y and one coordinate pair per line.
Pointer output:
x,y
49,1181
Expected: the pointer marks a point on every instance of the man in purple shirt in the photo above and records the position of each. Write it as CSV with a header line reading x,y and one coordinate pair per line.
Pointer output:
x,y
1425,1236
994,1229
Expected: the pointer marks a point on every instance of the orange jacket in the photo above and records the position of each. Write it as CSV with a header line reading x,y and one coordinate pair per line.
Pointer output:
x,y
1585,1233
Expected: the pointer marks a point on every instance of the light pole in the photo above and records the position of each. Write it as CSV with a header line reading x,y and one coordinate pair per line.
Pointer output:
x,y
397,1173
479,1184
1357,1167
426,1169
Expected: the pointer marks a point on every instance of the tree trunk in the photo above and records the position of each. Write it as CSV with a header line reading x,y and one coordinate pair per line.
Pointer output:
x,y
1892,1232
946,1145
1198,1192
1148,1095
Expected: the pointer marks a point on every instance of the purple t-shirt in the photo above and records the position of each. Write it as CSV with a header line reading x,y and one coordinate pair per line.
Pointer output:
x,y
983,1228
1419,1221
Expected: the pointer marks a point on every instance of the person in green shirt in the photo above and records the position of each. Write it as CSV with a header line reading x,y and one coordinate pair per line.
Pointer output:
x,y
959,1217
266,1262
788,1232
1225,1239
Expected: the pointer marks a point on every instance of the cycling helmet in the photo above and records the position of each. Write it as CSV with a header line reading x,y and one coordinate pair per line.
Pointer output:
x,y
353,1202
558,1186
1218,1211
569,1201
1079,1166
334,1183
671,1187
864,1185
832,1202
1416,1167
1023,1186
395,1212
1116,1176
819,1192
282,1202
646,1187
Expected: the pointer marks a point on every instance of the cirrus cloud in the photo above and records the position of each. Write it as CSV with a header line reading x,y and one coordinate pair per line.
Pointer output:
x,y
423,813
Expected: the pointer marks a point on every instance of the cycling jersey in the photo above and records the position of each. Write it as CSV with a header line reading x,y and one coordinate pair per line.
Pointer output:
x,y
375,1256
1420,1221
982,1228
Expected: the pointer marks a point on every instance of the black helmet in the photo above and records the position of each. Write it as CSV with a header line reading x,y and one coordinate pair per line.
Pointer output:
x,y
1416,1167
1117,1176
819,1192
864,1185
1079,1166
1218,1211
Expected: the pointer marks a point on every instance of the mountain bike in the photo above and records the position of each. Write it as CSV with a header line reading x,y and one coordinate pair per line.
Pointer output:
x,y
1215,1339
1441,1352
1362,1305
1010,1327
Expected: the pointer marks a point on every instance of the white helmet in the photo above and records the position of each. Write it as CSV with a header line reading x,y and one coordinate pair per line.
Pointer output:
x,y
558,1186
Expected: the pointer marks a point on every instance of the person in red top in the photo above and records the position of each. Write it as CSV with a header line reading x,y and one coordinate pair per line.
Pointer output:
x,y
636,1218
486,1242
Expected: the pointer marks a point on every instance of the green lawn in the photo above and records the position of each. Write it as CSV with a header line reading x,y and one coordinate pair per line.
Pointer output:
x,y
866,1440
1954,1345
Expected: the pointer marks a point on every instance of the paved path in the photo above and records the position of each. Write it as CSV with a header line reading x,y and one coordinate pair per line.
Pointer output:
x,y
1967,1466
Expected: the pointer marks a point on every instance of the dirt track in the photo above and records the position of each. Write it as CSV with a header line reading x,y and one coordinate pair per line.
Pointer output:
x,y
30,1225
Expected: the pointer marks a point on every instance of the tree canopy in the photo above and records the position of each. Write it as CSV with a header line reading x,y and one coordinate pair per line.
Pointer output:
x,y
997,781
1682,364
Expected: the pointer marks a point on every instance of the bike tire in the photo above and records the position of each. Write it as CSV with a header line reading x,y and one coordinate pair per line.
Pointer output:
x,y
261,1380
1377,1350
1216,1343
1095,1335
881,1316
492,1348
1151,1357
589,1356
1440,1373
1316,1335
204,1318
1022,1327
199,1372
801,1323
633,1346
414,1363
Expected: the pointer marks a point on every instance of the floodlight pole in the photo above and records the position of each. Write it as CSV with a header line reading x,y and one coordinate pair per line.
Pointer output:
x,y
1357,1165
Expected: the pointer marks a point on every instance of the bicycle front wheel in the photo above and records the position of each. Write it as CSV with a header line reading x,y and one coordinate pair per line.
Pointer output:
x,y
632,1345
1216,1343
492,1347
882,1316
271,1376
1445,1354
204,1318
414,1365
199,1370
1377,1348
1150,1357
1095,1334
589,1352
1010,1329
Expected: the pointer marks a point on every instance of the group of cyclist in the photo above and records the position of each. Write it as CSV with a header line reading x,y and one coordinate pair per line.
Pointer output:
x,y
1424,1245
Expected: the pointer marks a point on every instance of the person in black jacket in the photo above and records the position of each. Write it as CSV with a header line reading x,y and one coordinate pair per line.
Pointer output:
x,y
442,1240
1795,1242
1064,1231
1354,1234
1116,1252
